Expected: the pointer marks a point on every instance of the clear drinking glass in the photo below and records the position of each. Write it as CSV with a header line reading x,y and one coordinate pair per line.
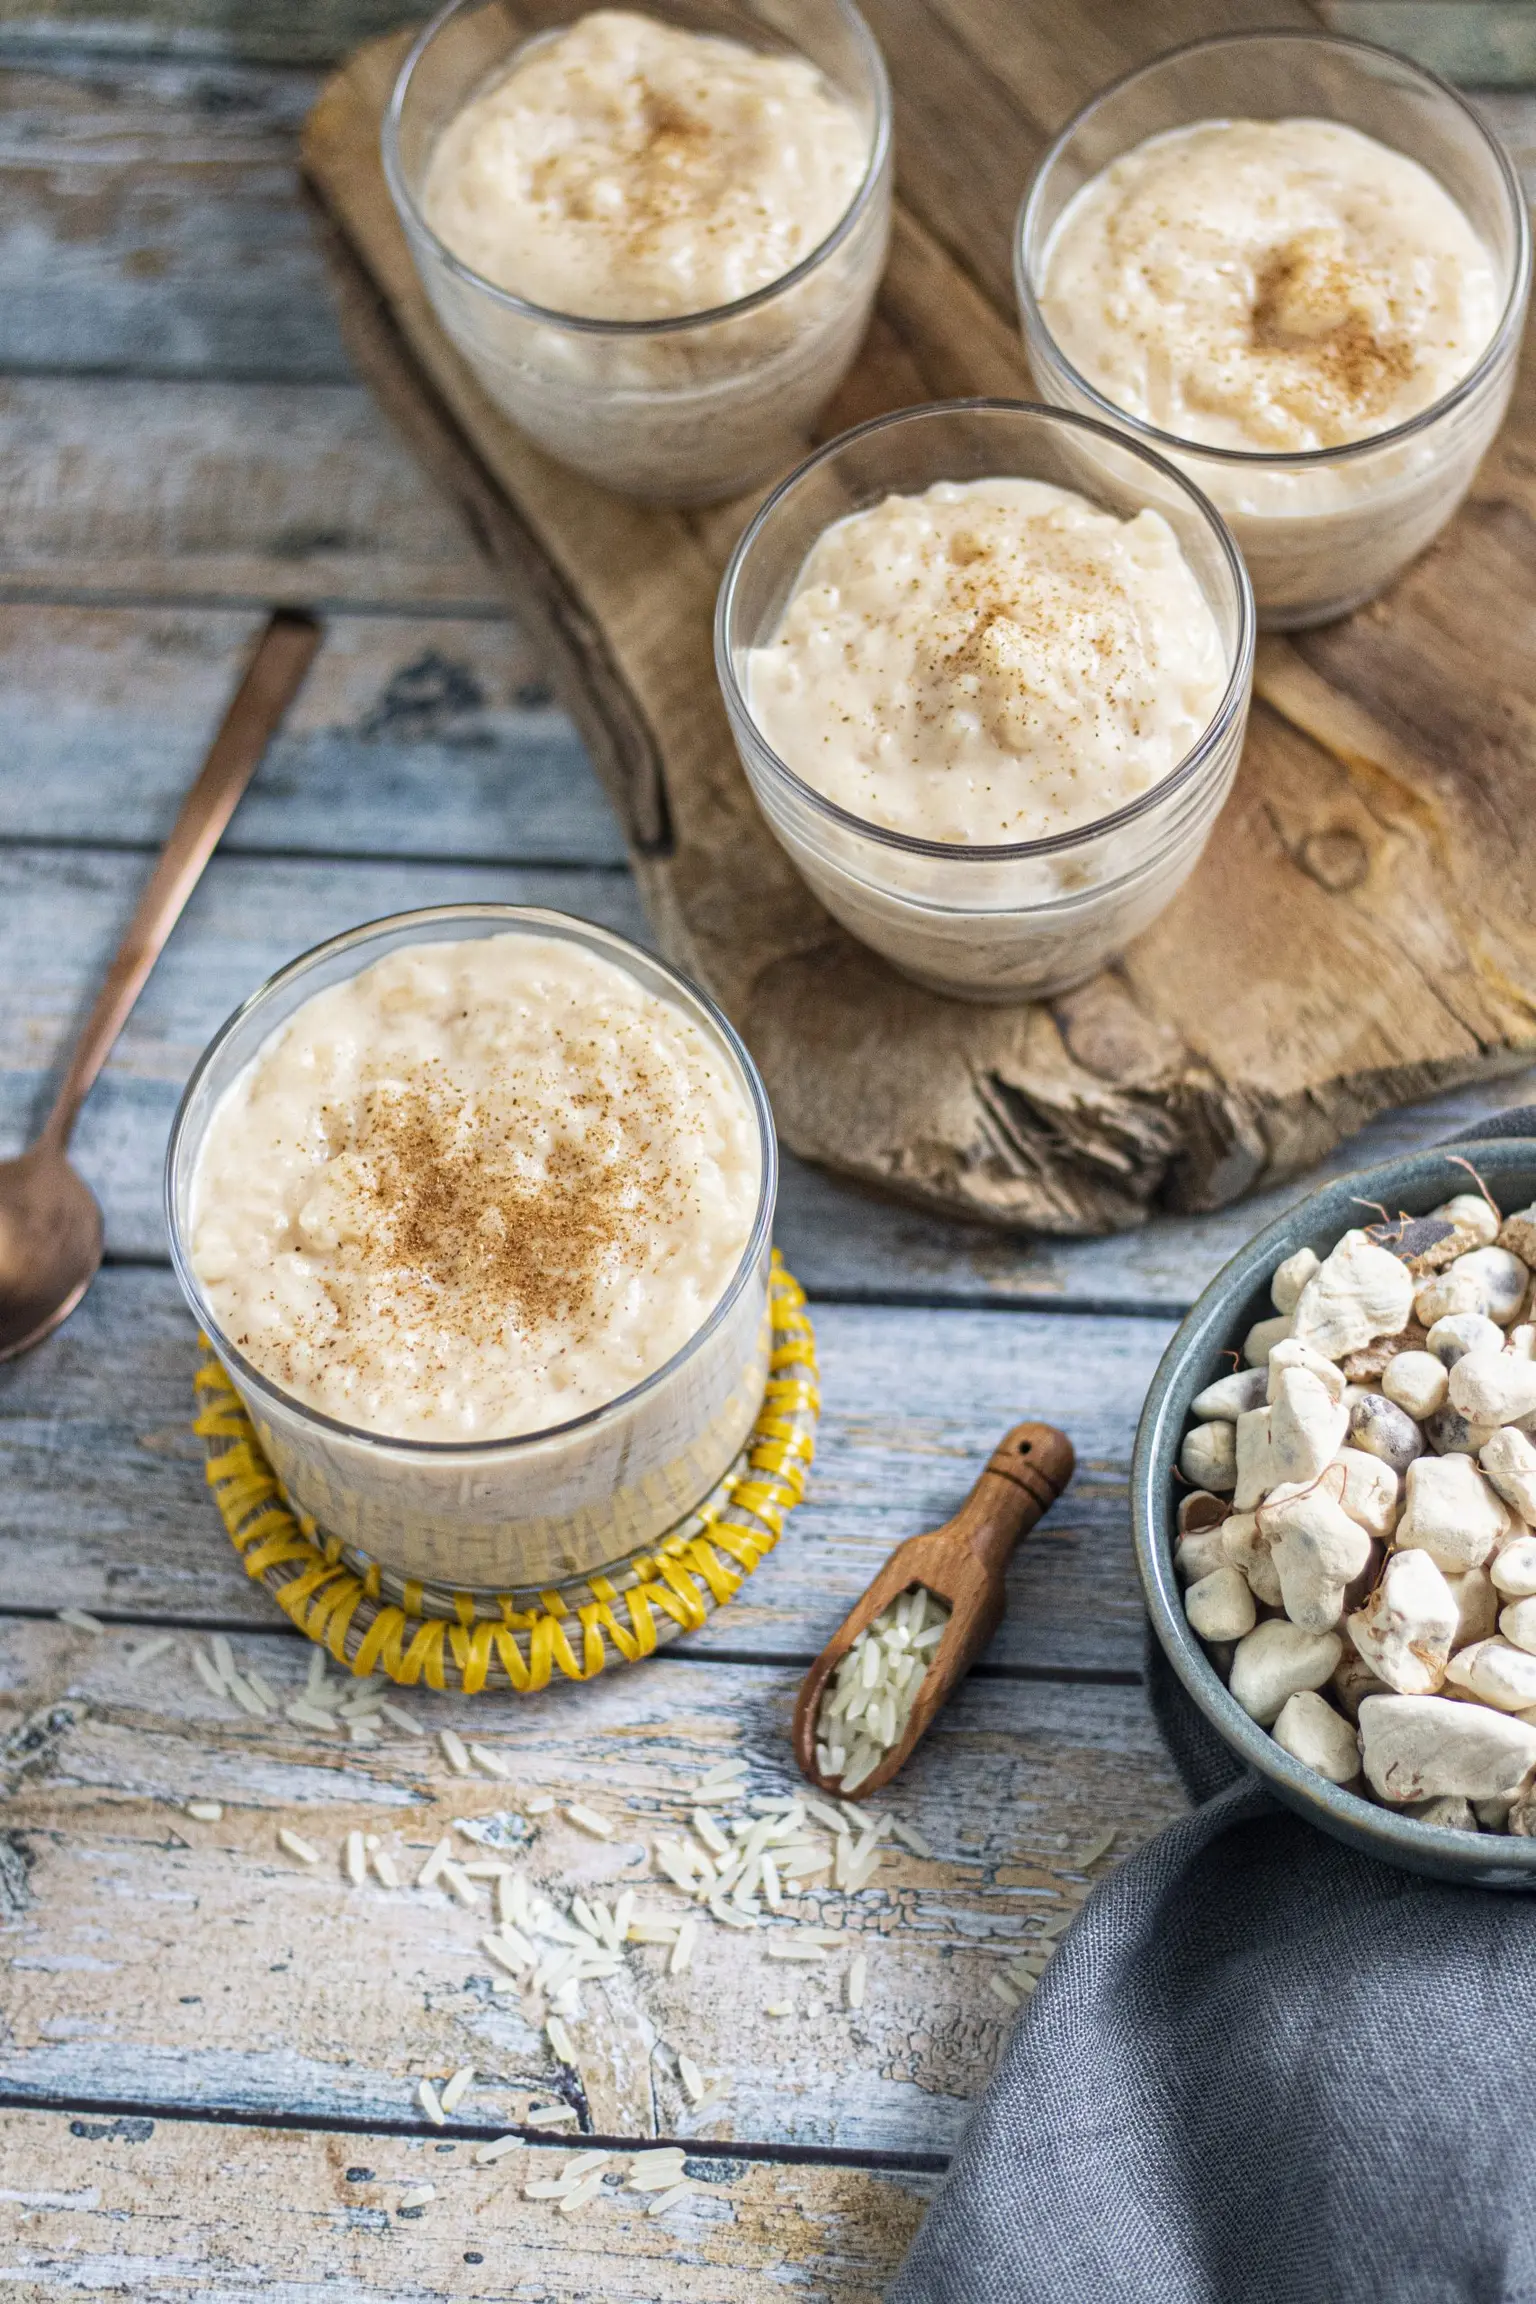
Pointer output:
x,y
1326,529
987,923
687,409
545,1506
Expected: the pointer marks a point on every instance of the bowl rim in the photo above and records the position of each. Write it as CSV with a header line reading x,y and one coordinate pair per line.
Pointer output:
x,y
534,919
1301,459
1210,1320
876,171
1234,698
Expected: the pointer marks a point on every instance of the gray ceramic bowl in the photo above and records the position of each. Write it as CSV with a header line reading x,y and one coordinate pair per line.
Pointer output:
x,y
1237,1297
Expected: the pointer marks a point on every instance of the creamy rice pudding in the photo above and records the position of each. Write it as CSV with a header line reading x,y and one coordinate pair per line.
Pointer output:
x,y
991,661
1272,285
624,169
475,1191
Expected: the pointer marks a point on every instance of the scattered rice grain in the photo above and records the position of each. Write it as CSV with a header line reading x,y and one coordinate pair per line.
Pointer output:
x,y
205,1811
427,2098
453,2093
81,1620
489,2153
453,1751
588,1820
307,1715
666,2200
297,1847
210,1678
150,1650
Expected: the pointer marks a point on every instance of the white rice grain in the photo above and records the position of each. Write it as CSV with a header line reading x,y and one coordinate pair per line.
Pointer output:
x,y
384,1866
560,2040
911,1838
570,2202
440,1855
453,1751
355,1859
1003,1990
418,2196
489,1762
297,1847
81,1620
588,1820
857,1975
206,1671
465,1890
541,1805
549,2115
398,1717
306,1715
489,2154
710,1833
264,1689
205,1811
139,1657
1089,1856
682,1950
427,2098
453,2094
666,2200
692,2079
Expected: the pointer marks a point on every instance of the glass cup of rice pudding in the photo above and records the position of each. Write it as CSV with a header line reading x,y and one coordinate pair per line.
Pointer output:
x,y
988,668
474,1205
655,236
1297,266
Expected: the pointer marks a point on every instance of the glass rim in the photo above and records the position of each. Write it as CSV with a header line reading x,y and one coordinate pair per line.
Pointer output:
x,y
561,925
589,324
1184,773
1295,459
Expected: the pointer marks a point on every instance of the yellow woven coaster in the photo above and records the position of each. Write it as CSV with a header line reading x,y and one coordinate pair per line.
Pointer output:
x,y
518,1639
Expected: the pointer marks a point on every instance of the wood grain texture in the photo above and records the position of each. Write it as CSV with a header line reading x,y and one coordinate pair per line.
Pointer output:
x,y
417,738
168,2210
146,1947
151,224
1410,972
186,490
105,1505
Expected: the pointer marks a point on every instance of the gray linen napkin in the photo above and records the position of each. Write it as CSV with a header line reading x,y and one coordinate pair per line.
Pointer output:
x,y
1261,2069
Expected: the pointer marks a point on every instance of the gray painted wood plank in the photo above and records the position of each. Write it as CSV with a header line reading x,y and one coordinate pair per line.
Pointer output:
x,y
198,490
252,2215
105,1506
151,223
276,31
412,737
185,1963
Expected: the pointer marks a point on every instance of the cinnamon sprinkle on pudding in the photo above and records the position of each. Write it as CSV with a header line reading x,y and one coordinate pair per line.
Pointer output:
x,y
476,1190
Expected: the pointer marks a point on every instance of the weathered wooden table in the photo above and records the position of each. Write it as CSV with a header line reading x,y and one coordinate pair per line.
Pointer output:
x,y
209,2052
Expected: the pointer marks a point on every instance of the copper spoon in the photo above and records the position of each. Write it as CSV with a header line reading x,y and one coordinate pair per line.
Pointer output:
x,y
50,1225
964,1563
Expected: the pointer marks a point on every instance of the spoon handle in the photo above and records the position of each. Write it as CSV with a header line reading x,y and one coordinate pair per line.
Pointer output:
x,y
271,682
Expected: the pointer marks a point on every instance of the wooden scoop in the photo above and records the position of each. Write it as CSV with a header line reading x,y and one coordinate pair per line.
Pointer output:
x,y
964,1563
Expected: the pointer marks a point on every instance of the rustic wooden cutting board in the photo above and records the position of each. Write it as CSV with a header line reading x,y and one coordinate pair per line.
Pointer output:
x,y
1361,930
